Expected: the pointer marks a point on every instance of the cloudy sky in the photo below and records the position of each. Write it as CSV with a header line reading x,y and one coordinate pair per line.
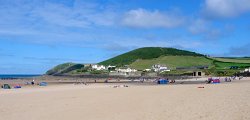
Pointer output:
x,y
36,35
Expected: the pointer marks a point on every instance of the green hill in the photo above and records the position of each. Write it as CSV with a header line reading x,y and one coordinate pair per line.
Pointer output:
x,y
64,68
144,58
146,53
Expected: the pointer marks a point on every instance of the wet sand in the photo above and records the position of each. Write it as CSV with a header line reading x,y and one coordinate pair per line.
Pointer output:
x,y
227,101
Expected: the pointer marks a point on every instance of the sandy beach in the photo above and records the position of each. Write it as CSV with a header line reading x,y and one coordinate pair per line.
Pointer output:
x,y
226,101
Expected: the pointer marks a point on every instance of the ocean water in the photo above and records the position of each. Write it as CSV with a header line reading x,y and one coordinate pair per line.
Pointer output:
x,y
15,76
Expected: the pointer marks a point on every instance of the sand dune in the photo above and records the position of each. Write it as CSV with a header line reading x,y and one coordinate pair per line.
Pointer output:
x,y
228,101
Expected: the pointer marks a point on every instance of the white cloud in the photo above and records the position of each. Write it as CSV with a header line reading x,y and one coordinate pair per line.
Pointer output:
x,y
225,8
61,15
142,18
47,22
198,26
36,14
83,24
81,14
208,31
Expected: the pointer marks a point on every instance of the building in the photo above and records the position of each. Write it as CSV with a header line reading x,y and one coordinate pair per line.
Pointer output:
x,y
247,70
192,68
111,68
98,67
147,70
160,68
198,73
126,70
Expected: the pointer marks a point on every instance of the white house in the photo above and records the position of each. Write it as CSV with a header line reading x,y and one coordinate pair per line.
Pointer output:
x,y
127,70
98,67
160,68
147,70
247,70
110,66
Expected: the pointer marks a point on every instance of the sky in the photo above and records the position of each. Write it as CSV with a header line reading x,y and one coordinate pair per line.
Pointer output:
x,y
36,35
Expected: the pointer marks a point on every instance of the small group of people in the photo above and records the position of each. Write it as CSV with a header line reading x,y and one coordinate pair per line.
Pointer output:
x,y
172,81
31,83
117,86
213,80
229,79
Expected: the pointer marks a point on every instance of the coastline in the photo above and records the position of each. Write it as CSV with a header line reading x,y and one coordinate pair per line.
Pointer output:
x,y
62,80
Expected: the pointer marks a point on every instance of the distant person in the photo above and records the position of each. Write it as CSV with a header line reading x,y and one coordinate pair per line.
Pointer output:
x,y
209,80
172,81
33,82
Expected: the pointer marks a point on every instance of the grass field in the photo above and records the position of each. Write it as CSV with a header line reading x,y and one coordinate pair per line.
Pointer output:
x,y
234,59
172,62
227,65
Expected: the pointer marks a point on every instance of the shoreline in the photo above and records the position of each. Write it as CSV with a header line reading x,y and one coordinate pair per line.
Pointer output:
x,y
57,81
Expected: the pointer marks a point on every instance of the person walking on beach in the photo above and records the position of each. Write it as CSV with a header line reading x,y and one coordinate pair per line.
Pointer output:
x,y
33,82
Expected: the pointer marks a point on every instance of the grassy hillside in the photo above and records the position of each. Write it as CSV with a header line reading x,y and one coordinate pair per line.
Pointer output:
x,y
64,68
227,65
172,62
144,58
235,60
146,53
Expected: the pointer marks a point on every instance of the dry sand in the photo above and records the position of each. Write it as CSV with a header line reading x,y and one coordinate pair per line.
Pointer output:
x,y
227,101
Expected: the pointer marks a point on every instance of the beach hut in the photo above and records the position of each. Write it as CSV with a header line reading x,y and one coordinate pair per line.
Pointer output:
x,y
163,81
43,84
6,86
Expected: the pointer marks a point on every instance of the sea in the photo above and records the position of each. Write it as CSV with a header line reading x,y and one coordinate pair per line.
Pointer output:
x,y
17,76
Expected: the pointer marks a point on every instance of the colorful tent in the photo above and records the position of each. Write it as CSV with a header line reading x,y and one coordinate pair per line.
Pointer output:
x,y
17,86
6,86
163,81
216,81
43,84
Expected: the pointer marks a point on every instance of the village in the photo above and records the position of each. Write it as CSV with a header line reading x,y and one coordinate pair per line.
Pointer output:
x,y
155,70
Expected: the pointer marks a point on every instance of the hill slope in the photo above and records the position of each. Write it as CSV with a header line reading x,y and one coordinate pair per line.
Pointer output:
x,y
173,62
144,58
235,60
64,68
146,53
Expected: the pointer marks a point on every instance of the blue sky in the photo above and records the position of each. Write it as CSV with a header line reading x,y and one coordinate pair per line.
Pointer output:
x,y
36,35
